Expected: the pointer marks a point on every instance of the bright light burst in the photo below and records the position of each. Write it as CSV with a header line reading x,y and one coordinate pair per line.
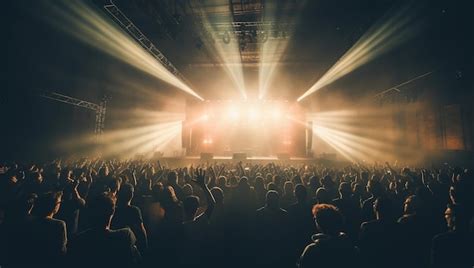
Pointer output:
x,y
361,135
86,24
386,34
234,113
273,49
223,51
140,132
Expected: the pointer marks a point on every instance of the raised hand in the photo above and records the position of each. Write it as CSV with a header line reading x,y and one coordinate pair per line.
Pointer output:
x,y
200,177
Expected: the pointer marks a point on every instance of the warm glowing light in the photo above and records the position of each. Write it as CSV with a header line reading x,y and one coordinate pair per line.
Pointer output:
x,y
386,34
144,132
86,24
276,113
234,113
207,141
253,114
365,134
272,51
227,51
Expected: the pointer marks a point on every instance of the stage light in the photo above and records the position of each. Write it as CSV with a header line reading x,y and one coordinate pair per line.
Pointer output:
x,y
83,22
386,34
205,117
253,114
207,141
273,49
365,134
234,113
223,50
276,113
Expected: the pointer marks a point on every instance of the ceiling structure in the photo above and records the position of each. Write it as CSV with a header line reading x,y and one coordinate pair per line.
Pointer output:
x,y
189,33
301,40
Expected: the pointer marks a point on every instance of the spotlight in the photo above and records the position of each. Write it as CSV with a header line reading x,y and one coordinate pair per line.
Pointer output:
x,y
207,141
382,37
253,114
234,113
82,21
276,113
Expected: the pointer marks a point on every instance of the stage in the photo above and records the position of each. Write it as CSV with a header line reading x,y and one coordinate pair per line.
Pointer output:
x,y
261,160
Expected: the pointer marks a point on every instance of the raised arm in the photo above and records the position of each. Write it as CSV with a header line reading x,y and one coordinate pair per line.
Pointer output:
x,y
200,179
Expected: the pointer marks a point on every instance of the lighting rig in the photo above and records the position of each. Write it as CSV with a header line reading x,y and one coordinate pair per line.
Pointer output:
x,y
99,109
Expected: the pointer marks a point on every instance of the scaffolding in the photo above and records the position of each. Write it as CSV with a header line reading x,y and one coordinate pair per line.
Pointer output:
x,y
99,109
133,31
395,94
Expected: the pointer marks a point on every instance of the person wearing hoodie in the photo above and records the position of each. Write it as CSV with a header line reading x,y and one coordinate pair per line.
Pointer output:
x,y
330,247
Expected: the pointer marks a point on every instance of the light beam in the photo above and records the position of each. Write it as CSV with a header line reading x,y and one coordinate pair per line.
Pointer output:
x,y
386,34
86,24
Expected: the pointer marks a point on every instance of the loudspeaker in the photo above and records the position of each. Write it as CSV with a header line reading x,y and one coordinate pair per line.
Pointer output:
x,y
207,156
283,156
239,156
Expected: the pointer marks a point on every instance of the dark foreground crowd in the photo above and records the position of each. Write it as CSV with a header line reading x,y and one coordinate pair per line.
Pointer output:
x,y
143,214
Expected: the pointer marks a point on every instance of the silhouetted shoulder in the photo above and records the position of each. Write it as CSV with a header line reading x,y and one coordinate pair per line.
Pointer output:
x,y
123,234
58,223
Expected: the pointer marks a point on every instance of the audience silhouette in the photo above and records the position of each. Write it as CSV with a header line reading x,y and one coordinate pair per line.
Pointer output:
x,y
137,213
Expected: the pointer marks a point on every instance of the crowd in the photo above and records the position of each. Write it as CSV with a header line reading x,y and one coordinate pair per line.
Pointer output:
x,y
98,213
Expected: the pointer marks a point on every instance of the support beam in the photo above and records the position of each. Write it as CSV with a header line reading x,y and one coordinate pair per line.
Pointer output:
x,y
127,25
391,92
70,100
99,109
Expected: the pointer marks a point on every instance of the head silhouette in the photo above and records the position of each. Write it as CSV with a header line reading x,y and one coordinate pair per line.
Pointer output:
x,y
374,187
328,219
322,196
218,195
273,199
259,183
169,196
383,208
301,193
190,206
457,218
188,189
172,178
288,188
48,204
345,190
125,195
102,209
411,205
222,181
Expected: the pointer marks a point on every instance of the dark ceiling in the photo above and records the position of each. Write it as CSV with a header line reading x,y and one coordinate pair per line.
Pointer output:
x,y
317,34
